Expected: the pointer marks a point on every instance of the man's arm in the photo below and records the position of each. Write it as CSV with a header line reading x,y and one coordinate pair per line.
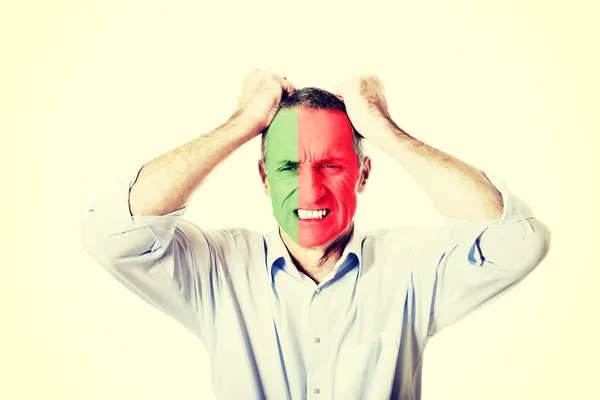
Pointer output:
x,y
166,183
492,240
136,232
457,189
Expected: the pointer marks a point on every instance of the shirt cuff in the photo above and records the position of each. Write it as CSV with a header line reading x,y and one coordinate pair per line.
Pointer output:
x,y
114,215
465,233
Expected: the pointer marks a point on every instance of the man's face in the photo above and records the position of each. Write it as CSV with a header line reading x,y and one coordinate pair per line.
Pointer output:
x,y
312,174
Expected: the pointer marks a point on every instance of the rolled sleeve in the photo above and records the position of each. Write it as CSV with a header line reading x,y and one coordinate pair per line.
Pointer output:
x,y
467,234
152,256
483,260
111,214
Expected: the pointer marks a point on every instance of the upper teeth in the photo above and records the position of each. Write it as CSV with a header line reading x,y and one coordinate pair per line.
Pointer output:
x,y
308,214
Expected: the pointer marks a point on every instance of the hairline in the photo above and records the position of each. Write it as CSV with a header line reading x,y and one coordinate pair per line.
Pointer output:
x,y
357,143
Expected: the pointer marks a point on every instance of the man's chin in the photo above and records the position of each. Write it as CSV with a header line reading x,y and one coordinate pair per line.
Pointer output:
x,y
307,240
308,243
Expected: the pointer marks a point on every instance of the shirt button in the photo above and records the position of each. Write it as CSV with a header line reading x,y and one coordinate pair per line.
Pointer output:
x,y
318,290
317,340
316,391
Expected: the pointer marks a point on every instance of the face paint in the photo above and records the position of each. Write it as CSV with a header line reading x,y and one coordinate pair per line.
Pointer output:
x,y
312,171
282,169
328,175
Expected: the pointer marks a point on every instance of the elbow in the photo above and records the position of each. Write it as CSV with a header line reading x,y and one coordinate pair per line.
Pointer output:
x,y
536,244
518,247
122,247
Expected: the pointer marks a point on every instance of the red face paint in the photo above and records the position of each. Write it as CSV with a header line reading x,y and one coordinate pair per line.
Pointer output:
x,y
327,175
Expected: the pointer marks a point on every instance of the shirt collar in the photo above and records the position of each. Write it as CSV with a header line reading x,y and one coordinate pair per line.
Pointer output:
x,y
277,252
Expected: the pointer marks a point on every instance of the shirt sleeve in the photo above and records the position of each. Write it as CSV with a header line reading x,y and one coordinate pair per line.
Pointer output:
x,y
477,262
165,260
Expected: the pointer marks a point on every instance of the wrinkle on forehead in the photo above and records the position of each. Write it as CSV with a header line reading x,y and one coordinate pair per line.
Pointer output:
x,y
282,138
324,135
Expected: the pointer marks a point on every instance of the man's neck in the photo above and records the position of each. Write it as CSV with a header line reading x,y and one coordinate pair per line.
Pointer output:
x,y
318,261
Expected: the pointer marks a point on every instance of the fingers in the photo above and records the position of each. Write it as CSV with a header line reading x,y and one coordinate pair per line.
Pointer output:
x,y
358,85
260,76
287,86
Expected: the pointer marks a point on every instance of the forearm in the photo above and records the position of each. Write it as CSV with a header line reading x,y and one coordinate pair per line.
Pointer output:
x,y
457,189
167,183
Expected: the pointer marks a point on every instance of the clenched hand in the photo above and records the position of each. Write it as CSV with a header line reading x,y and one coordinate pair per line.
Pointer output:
x,y
262,91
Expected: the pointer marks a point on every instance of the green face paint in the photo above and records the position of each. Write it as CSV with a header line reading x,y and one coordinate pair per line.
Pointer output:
x,y
282,169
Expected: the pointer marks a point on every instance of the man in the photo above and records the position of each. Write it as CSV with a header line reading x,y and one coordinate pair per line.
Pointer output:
x,y
316,309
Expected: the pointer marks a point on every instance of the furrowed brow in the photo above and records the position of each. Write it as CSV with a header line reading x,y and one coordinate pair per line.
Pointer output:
x,y
335,160
289,163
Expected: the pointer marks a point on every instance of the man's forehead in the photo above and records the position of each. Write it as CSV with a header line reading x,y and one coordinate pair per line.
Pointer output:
x,y
290,121
306,129
282,137
323,127
285,123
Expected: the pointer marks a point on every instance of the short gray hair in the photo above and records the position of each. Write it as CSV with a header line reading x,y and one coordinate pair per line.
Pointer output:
x,y
319,99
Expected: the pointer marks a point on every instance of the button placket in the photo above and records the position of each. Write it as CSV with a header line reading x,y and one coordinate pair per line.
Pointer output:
x,y
316,353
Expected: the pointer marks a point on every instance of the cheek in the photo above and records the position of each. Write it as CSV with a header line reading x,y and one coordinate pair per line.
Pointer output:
x,y
282,187
343,182
343,185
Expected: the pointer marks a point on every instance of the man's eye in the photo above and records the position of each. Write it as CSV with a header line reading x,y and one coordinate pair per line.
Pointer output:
x,y
330,166
288,168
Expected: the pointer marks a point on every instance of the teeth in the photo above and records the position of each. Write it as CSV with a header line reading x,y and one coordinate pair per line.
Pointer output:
x,y
311,214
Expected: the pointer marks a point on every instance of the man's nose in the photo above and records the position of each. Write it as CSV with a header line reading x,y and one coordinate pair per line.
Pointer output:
x,y
311,187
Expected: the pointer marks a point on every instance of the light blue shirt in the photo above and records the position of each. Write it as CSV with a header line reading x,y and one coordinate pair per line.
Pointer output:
x,y
272,333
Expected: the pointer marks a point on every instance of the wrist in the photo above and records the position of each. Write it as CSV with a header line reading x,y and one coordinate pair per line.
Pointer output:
x,y
243,126
383,131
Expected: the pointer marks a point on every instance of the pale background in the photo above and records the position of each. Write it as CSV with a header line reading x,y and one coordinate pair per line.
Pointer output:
x,y
92,90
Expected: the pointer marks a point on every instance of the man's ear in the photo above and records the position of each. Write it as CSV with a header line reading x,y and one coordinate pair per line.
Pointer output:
x,y
263,177
365,171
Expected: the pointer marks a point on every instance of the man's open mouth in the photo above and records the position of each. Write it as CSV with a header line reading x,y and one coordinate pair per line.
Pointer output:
x,y
312,214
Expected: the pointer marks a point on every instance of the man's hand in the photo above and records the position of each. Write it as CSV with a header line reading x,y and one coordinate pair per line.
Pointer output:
x,y
457,189
262,91
167,183
365,105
